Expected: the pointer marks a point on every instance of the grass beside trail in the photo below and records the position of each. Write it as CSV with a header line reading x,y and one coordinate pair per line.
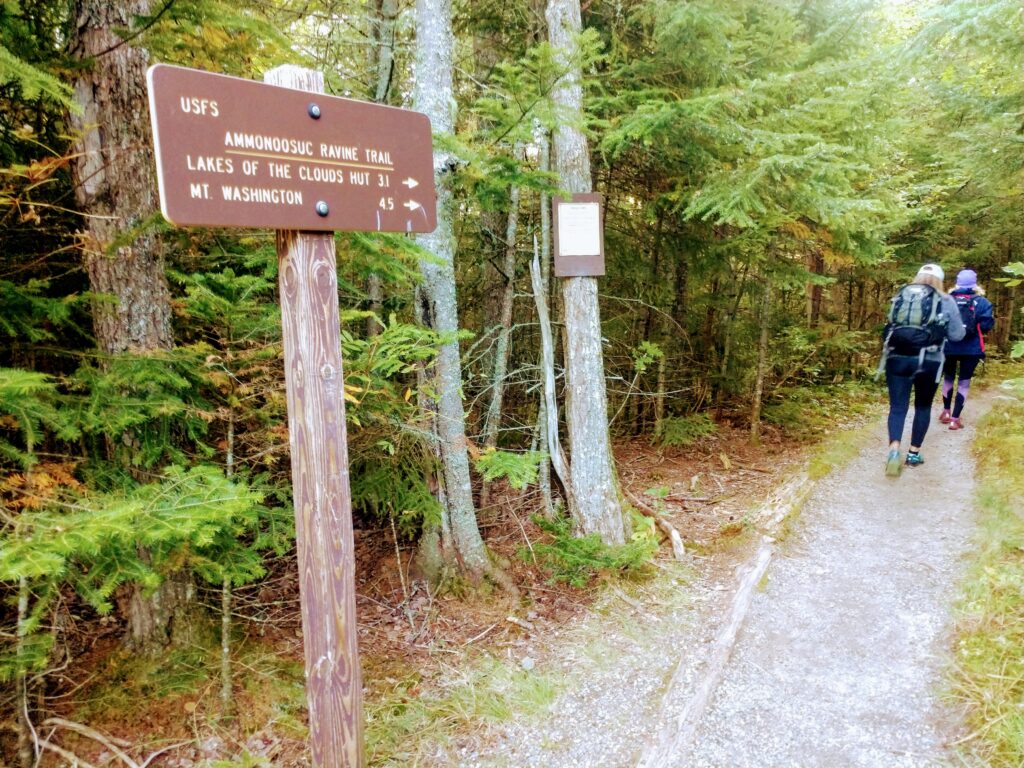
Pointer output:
x,y
988,672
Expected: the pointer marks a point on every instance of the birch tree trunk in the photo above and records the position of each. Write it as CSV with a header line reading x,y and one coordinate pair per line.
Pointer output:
x,y
26,755
594,486
435,97
115,188
544,475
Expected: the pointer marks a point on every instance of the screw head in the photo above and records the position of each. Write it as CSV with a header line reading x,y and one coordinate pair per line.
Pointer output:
x,y
322,208
314,111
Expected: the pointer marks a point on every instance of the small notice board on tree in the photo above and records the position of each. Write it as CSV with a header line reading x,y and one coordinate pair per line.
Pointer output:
x,y
578,226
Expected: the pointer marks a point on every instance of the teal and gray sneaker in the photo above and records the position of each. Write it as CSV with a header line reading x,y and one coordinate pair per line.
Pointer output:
x,y
893,464
914,460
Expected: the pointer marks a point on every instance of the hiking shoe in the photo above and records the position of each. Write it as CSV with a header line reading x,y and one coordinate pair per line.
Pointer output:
x,y
945,417
892,464
955,423
914,460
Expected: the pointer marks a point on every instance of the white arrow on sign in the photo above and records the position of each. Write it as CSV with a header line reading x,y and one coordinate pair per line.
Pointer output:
x,y
411,182
412,205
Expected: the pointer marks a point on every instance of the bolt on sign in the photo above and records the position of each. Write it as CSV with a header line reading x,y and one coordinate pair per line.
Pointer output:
x,y
578,227
237,153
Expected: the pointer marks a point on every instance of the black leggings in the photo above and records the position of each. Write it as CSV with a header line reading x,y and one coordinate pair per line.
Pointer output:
x,y
901,375
967,365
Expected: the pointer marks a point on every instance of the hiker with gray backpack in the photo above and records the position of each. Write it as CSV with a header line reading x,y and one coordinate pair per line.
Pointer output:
x,y
921,320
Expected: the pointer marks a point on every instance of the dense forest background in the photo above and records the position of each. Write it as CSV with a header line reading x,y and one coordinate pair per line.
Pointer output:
x,y
771,172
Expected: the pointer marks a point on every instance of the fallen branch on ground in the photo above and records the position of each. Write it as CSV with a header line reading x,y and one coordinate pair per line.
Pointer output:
x,y
678,550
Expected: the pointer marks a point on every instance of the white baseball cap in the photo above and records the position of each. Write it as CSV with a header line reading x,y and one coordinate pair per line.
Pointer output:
x,y
932,269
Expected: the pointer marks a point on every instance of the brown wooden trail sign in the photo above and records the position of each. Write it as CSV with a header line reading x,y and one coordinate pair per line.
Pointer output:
x,y
238,153
207,129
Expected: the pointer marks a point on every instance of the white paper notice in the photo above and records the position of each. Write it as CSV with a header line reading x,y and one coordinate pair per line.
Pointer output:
x,y
579,229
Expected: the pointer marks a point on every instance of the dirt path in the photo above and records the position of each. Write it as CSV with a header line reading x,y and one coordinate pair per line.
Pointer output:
x,y
838,660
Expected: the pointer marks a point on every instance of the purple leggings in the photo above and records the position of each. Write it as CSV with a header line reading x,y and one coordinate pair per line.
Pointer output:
x,y
967,365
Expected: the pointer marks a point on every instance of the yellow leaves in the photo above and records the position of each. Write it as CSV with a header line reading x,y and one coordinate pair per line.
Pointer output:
x,y
35,489
798,230
351,390
836,258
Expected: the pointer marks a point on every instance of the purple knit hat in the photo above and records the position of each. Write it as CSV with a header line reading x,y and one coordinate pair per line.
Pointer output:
x,y
967,278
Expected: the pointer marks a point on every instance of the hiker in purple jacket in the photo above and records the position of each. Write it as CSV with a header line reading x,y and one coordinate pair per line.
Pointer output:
x,y
976,313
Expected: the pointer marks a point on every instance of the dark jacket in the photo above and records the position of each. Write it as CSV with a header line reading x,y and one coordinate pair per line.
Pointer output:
x,y
973,344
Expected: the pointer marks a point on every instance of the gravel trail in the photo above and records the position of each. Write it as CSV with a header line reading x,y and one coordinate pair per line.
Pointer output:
x,y
839,659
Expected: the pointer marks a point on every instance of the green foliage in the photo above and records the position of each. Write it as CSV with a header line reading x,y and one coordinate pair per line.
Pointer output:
x,y
681,431
395,488
28,313
28,406
578,559
143,403
988,676
1016,269
33,81
236,38
195,518
520,469
645,353
809,412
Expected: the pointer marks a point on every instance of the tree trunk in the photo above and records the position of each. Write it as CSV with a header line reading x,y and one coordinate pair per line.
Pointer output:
x,y
816,264
544,475
503,346
26,756
594,485
435,97
225,589
659,397
115,187
762,363
115,182
549,406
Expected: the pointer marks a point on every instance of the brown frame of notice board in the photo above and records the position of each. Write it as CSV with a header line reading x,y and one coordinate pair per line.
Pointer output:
x,y
579,249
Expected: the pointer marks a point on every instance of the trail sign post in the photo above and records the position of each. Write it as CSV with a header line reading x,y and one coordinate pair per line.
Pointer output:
x,y
234,152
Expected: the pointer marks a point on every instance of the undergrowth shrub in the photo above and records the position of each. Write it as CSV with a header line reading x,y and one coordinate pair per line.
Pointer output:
x,y
681,431
519,469
808,412
988,671
577,560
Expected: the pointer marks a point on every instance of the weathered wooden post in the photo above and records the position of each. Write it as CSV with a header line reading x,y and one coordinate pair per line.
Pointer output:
x,y
311,332
233,152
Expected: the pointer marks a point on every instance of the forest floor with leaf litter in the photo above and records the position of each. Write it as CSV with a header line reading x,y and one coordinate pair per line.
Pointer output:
x,y
439,670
